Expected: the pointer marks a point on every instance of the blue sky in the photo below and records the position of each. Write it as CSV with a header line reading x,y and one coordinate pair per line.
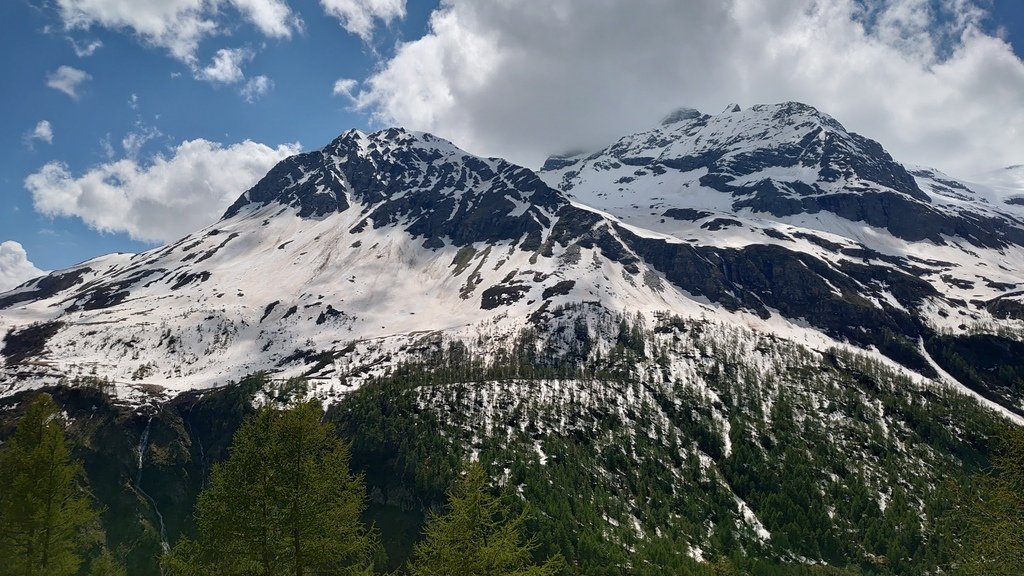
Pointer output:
x,y
137,88
154,139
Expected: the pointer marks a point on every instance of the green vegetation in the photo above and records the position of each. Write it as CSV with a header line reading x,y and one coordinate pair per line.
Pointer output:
x,y
480,534
991,518
623,448
284,502
106,565
46,519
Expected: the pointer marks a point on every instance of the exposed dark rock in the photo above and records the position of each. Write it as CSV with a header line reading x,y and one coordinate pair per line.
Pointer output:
x,y
29,342
763,277
330,312
991,365
270,308
209,253
1008,306
463,199
819,241
559,289
189,278
773,233
319,194
102,297
720,224
688,214
559,161
502,295
958,282
680,115
45,287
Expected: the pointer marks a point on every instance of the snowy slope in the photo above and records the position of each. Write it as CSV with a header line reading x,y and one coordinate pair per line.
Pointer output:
x,y
345,261
317,266
791,176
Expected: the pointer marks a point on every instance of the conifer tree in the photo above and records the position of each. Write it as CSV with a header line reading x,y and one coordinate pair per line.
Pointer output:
x,y
106,565
478,535
283,503
993,523
44,513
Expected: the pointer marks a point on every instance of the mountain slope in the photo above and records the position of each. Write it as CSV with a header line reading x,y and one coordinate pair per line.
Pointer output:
x,y
753,333
339,262
896,257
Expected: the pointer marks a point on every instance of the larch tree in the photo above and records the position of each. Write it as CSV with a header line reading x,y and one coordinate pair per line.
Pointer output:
x,y
283,503
992,516
106,565
45,514
478,535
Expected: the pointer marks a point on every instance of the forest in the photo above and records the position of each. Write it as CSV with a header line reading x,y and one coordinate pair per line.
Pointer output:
x,y
785,462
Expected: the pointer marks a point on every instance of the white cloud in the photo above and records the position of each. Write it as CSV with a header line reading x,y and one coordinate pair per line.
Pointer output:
x,y
85,49
42,132
360,16
108,148
67,80
226,67
134,140
159,201
345,87
523,79
256,87
177,25
273,17
15,268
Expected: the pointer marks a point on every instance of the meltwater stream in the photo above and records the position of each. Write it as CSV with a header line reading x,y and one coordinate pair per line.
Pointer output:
x,y
143,443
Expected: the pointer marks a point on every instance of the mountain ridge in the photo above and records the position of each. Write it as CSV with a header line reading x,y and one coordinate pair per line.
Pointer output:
x,y
682,219
665,369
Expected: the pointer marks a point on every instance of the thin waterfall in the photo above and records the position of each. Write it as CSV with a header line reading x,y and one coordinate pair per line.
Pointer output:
x,y
143,444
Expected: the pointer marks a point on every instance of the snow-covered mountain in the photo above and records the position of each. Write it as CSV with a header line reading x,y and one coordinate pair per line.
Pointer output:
x,y
377,249
754,333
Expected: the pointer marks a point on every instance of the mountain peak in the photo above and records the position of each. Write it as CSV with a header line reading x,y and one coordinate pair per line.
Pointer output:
x,y
432,188
680,115
783,160
320,182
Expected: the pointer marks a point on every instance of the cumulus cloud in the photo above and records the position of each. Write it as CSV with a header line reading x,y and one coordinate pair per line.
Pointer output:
x,y
523,79
226,67
256,87
164,199
15,267
177,25
360,16
67,79
273,17
42,132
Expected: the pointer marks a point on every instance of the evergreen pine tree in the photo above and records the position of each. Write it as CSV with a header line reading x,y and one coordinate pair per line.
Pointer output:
x,y
106,565
284,502
478,535
44,512
993,522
